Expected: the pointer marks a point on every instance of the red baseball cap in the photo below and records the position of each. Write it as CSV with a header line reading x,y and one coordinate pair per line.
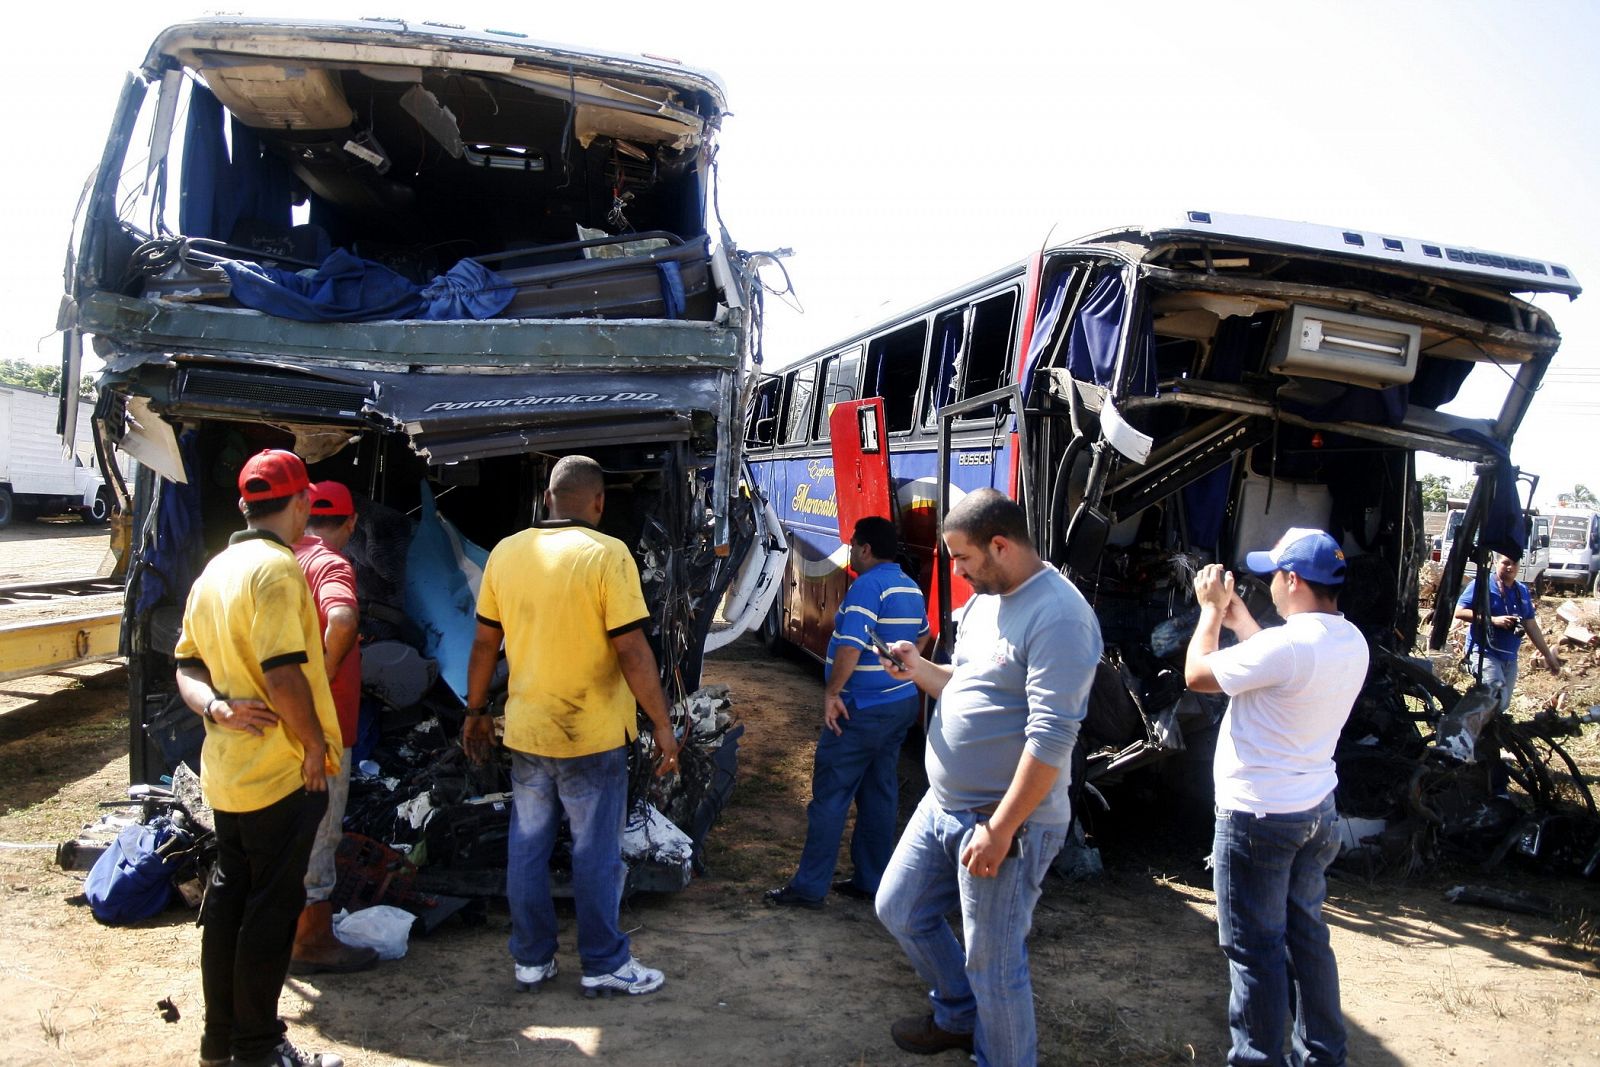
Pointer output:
x,y
272,473
331,498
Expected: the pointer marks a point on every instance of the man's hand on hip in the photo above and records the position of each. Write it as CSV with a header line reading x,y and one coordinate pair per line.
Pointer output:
x,y
249,715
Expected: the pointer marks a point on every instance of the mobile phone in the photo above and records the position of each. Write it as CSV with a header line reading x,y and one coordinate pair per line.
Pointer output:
x,y
884,650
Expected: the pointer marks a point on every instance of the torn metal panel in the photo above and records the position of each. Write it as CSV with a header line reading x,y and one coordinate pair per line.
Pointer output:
x,y
566,344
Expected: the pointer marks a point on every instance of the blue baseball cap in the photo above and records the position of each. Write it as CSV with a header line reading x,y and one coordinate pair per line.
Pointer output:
x,y
1305,553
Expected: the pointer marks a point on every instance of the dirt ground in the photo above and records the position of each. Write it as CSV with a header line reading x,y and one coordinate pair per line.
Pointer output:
x,y
1126,968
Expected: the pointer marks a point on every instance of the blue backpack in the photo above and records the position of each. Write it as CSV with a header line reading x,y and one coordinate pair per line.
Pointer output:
x,y
132,879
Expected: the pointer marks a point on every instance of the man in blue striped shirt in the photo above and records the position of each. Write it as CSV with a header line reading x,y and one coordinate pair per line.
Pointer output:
x,y
865,717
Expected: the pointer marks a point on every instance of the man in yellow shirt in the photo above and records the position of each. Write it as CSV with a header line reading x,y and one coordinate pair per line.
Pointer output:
x,y
250,663
566,602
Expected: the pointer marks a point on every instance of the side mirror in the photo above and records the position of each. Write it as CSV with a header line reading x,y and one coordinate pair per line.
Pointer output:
x,y
1544,540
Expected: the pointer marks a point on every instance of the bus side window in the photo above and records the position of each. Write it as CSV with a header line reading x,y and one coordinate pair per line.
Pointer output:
x,y
944,359
797,404
761,426
988,354
839,373
894,370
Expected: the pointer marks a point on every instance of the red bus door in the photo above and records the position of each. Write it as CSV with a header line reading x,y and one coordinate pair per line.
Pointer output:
x,y
860,463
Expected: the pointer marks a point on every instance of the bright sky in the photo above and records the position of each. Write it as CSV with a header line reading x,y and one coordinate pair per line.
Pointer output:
x,y
902,149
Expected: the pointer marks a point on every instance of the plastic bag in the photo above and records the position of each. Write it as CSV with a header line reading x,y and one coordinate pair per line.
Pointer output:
x,y
380,927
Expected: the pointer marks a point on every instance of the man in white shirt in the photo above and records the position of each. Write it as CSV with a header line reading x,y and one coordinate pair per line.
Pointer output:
x,y
1290,690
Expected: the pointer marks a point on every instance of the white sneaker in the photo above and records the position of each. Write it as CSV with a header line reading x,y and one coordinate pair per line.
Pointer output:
x,y
632,978
529,979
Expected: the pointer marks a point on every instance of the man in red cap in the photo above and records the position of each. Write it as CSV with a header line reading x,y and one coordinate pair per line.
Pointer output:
x,y
250,663
333,588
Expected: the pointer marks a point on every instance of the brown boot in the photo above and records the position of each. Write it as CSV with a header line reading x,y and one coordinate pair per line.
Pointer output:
x,y
316,949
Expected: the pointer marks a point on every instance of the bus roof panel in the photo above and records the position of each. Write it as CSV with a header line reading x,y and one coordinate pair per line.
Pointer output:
x,y
1512,273
307,38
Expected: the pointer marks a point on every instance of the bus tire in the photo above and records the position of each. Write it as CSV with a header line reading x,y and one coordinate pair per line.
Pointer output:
x,y
8,507
99,512
772,627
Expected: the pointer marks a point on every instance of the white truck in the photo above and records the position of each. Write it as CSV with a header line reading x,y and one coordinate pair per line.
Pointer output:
x,y
1574,548
1536,565
38,475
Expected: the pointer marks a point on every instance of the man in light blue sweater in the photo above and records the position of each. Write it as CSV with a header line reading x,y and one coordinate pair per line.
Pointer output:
x,y
999,767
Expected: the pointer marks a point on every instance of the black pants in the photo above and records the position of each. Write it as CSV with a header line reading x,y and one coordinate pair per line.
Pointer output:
x,y
248,921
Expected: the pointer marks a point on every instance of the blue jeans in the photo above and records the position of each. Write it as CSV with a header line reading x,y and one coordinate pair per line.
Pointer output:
x,y
1271,879
1497,673
860,764
986,989
593,790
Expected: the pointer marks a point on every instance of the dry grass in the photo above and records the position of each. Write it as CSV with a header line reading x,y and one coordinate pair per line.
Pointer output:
x,y
1108,1035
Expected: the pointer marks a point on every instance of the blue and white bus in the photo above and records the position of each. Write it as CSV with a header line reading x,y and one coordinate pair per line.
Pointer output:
x,y
1159,398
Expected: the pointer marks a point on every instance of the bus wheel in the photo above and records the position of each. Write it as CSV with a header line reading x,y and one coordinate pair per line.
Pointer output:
x,y
772,627
8,507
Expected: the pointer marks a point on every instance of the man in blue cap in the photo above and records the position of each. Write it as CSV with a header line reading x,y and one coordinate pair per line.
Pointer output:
x,y
1290,690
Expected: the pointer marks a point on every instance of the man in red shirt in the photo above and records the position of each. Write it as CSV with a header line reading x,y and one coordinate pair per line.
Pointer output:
x,y
333,587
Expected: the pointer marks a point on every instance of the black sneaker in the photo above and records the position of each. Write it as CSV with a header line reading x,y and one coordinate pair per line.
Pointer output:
x,y
786,897
286,1055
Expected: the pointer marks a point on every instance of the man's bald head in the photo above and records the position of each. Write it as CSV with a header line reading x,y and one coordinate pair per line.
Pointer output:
x,y
577,489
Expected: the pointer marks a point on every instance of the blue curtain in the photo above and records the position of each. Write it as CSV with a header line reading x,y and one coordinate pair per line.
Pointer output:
x,y
1503,528
170,561
1097,334
222,189
206,207
1205,503
1044,329
1380,407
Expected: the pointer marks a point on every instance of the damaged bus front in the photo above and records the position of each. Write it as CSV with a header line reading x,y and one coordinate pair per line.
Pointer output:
x,y
1162,398
431,262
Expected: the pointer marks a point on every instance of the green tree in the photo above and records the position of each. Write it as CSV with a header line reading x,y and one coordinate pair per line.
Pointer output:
x,y
1582,496
1435,491
41,377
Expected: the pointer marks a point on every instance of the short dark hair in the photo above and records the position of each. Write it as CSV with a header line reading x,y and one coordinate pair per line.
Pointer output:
x,y
576,478
261,509
1323,590
985,514
326,522
878,534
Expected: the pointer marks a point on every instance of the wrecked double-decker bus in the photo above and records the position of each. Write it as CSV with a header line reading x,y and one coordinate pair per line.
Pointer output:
x,y
1162,398
431,262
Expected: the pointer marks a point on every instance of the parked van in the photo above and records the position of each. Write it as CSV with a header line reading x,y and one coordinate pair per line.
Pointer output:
x,y
1574,544
1534,569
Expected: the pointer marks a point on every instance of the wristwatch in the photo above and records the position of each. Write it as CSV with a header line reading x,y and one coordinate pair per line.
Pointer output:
x,y
482,709
206,714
